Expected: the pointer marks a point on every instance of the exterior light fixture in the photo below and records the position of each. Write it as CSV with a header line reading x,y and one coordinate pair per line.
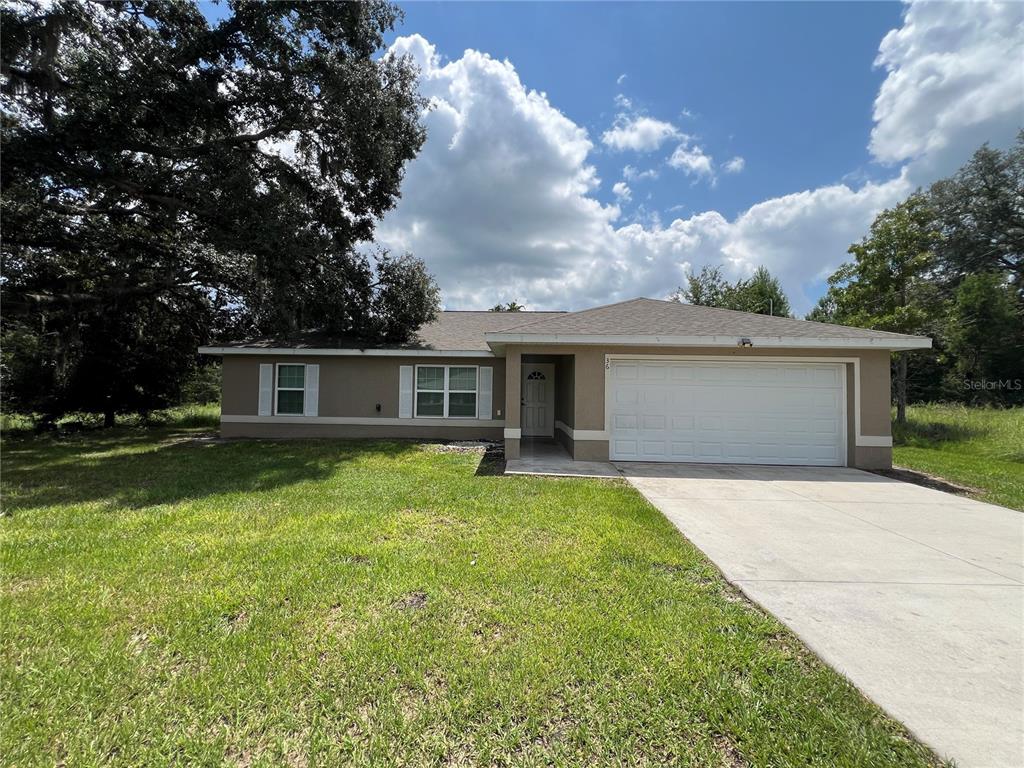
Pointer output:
x,y
745,343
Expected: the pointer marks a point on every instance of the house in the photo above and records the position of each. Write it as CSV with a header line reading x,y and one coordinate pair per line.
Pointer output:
x,y
641,380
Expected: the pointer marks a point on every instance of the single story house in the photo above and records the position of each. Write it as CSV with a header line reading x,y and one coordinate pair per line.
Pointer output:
x,y
640,380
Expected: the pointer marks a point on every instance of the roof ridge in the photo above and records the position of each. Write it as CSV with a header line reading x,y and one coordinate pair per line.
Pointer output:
x,y
783,317
581,312
517,312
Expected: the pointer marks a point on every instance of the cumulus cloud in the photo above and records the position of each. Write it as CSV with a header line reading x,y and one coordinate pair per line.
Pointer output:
x,y
691,160
622,191
630,173
500,202
620,79
639,133
953,78
735,165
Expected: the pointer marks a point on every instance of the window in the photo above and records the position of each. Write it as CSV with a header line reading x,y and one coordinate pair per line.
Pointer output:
x,y
446,391
291,390
462,391
430,391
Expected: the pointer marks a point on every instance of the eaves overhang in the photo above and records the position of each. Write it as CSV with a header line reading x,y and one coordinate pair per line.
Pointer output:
x,y
498,341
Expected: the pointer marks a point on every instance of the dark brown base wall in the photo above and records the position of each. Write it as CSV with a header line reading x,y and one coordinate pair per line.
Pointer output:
x,y
384,431
872,457
565,441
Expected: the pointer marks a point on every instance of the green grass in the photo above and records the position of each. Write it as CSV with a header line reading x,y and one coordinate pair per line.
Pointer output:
x,y
982,448
174,601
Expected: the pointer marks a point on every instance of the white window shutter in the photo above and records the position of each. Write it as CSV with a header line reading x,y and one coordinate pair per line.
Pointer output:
x,y
405,391
312,398
484,396
266,406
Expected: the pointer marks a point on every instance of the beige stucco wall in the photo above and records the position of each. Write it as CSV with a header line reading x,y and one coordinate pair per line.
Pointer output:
x,y
351,386
589,390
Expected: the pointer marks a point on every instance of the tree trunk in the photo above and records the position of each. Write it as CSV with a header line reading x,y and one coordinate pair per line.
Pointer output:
x,y
901,388
109,417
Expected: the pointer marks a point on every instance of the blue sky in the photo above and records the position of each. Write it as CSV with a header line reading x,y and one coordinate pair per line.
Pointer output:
x,y
582,153
788,87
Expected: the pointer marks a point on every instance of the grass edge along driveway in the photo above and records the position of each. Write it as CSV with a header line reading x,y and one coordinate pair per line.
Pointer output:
x,y
170,600
981,448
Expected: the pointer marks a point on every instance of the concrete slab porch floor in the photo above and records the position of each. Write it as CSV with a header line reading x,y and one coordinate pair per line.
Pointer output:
x,y
915,595
543,456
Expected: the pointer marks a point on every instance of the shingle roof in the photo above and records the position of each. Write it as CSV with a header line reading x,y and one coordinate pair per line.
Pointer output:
x,y
465,330
450,332
651,317
470,331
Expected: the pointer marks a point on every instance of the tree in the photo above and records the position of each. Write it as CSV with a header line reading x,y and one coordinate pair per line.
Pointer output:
x,y
512,306
979,212
889,285
826,310
761,293
166,179
707,289
986,338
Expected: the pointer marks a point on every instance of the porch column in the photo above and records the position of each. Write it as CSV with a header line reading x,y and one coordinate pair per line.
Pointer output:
x,y
513,378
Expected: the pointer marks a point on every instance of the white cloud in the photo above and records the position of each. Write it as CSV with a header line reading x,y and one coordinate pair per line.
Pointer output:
x,y
622,191
954,79
630,173
639,133
620,79
735,165
623,102
500,201
691,160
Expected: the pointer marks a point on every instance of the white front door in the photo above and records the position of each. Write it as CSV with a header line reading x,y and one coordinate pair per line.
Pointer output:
x,y
737,412
538,392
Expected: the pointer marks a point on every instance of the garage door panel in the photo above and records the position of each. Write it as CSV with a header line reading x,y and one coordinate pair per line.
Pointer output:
x,y
681,450
624,448
727,412
680,373
655,397
624,421
627,396
656,421
682,423
653,372
626,371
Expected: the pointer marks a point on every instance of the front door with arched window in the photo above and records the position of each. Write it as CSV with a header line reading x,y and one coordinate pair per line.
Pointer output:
x,y
538,400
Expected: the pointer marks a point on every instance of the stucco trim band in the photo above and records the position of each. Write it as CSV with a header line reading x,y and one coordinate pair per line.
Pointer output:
x,y
582,434
388,422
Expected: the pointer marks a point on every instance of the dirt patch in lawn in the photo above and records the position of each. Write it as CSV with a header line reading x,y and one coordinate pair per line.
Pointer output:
x,y
928,481
411,602
731,757
235,622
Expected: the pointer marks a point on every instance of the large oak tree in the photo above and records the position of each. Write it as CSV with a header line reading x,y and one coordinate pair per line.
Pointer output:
x,y
167,178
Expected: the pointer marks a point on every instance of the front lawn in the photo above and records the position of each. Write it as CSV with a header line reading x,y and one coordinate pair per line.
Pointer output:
x,y
171,600
982,448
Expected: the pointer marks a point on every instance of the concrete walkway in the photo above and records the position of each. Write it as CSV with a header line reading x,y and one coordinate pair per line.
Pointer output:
x,y
915,595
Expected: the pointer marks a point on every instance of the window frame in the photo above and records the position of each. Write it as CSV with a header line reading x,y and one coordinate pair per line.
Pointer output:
x,y
279,388
447,391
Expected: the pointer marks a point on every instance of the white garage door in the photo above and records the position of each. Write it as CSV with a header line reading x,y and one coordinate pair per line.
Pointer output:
x,y
727,412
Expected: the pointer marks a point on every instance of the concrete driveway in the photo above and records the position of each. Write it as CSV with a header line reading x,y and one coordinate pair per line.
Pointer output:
x,y
915,595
